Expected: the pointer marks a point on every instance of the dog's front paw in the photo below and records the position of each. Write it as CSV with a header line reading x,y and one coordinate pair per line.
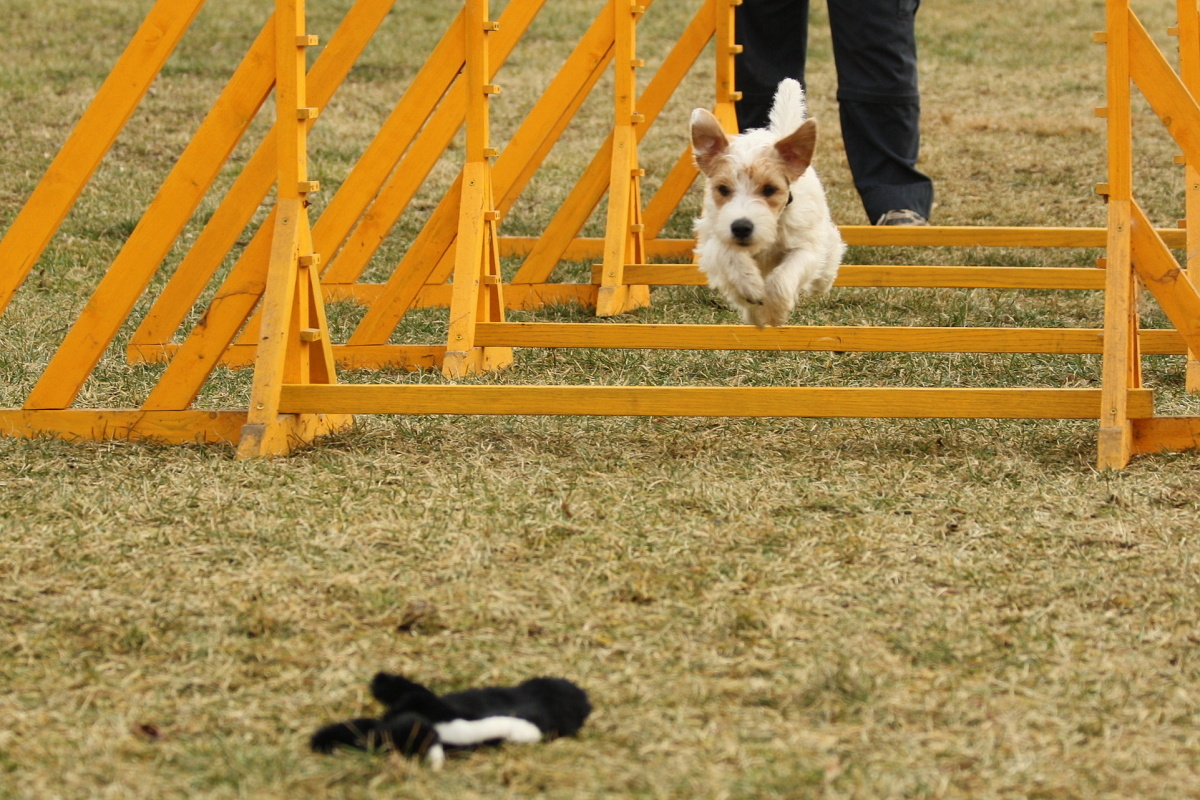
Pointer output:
x,y
751,294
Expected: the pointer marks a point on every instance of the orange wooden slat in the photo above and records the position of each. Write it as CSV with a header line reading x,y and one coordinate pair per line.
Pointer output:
x,y
792,338
228,223
173,205
693,401
167,427
885,275
92,137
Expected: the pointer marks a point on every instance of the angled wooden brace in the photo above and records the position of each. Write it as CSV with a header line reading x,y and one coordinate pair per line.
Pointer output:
x,y
92,137
242,289
228,223
683,174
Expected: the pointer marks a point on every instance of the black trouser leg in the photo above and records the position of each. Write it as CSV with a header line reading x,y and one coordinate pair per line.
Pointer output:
x,y
875,52
774,39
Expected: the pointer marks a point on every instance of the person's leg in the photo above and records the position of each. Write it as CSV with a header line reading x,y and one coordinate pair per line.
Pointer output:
x,y
875,52
774,37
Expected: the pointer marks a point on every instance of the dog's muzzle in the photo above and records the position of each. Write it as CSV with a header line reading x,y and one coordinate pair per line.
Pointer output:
x,y
741,230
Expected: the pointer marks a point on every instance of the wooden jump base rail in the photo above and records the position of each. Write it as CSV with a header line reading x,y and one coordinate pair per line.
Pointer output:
x,y
269,310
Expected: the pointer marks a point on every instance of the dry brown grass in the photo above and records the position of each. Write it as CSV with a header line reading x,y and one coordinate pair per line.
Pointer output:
x,y
759,608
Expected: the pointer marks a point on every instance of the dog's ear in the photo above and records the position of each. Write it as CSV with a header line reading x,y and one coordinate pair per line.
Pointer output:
x,y
796,149
708,140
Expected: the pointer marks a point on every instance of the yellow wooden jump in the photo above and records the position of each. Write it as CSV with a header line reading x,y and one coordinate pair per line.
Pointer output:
x,y
268,312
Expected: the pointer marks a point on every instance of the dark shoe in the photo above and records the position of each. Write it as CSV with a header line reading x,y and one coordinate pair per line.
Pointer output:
x,y
902,216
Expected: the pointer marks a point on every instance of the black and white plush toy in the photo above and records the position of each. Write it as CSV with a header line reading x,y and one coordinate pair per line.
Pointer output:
x,y
419,723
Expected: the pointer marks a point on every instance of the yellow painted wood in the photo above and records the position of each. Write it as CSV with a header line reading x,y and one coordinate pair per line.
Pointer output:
x,y
390,356
804,338
623,235
477,294
1157,342
884,275
592,248
92,137
516,295
410,357
461,358
1164,89
287,433
546,122
166,427
295,372
350,204
278,299
714,20
1163,278
228,222
972,236
1189,73
549,249
726,50
430,258
438,132
202,350
1115,441
692,401
292,302
670,194
589,248
1161,434
173,205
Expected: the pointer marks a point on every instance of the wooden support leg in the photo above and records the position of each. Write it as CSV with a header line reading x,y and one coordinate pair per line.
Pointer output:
x,y
1122,363
624,231
477,295
294,345
1189,72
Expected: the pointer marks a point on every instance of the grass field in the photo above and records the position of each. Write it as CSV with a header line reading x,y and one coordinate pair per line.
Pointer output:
x,y
758,608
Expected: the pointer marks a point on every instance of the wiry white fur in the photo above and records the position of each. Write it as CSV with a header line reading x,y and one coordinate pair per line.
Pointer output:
x,y
795,247
788,111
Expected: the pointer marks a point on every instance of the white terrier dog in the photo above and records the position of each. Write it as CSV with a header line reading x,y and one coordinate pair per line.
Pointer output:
x,y
765,234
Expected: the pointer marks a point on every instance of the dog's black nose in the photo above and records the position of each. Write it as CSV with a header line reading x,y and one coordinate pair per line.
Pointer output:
x,y
742,229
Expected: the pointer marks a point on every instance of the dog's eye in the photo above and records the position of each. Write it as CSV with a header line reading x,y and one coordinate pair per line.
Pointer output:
x,y
769,190
724,190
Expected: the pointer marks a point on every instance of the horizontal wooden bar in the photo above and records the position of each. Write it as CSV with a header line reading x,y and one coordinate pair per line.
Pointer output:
x,y
811,338
1154,342
1160,434
521,296
587,248
592,248
385,356
168,427
886,275
692,401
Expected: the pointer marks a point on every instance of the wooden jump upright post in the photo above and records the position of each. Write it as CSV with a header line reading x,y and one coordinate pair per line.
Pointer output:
x,y
293,341
478,296
1136,252
268,311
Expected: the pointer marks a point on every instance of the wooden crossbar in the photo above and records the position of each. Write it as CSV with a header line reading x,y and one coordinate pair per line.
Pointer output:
x,y
692,401
917,277
1061,341
858,339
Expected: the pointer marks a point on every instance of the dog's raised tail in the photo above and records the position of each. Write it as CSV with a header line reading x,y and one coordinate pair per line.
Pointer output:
x,y
788,111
